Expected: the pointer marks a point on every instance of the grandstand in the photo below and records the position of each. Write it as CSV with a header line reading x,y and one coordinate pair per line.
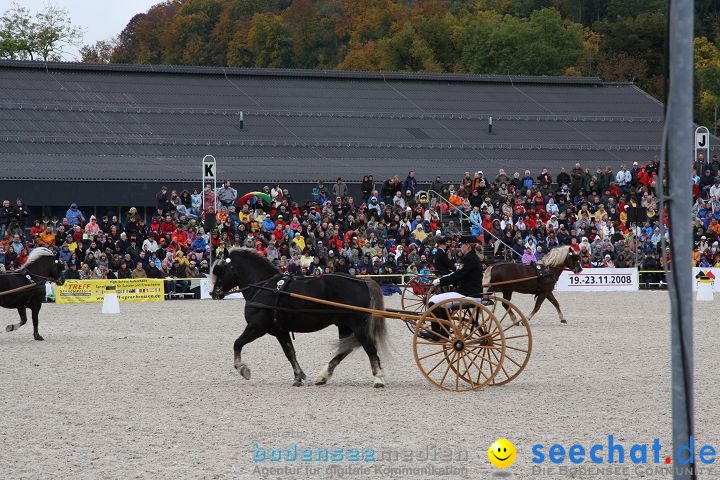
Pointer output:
x,y
125,129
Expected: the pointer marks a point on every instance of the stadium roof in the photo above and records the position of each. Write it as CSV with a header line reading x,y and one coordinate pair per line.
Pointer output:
x,y
155,123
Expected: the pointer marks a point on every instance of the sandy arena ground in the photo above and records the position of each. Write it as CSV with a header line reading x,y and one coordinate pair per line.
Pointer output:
x,y
151,393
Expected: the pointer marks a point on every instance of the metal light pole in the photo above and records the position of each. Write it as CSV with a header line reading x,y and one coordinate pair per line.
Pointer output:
x,y
679,121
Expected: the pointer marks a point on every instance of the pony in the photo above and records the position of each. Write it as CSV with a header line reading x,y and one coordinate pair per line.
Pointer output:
x,y
269,310
40,267
544,275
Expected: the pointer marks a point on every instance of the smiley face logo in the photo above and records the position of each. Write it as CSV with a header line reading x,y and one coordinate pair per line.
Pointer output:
x,y
502,453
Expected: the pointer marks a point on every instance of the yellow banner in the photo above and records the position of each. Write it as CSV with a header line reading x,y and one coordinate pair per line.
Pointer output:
x,y
127,290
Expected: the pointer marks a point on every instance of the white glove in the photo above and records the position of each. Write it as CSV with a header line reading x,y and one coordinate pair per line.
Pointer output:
x,y
436,282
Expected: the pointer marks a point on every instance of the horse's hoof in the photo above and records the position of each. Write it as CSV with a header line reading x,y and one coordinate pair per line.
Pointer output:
x,y
244,371
297,383
39,338
10,328
321,381
563,321
379,384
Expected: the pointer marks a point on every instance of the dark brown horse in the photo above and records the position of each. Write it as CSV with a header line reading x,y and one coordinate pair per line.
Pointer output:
x,y
541,282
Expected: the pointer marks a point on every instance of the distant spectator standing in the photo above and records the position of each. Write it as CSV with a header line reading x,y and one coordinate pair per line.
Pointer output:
x,y
227,195
577,179
74,215
162,200
339,189
6,215
563,178
410,183
623,178
21,212
367,187
527,181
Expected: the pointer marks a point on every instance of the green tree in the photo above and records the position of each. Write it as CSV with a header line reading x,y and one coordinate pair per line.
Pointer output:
x,y
633,8
543,45
312,35
639,41
44,36
707,81
101,52
268,40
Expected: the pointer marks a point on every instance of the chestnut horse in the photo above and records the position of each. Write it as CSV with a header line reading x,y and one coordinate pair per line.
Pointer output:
x,y
543,277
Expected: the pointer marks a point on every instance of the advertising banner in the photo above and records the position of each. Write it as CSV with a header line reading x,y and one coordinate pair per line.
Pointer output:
x,y
206,287
127,290
599,280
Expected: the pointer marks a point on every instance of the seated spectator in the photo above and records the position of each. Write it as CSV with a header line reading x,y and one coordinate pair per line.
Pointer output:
x,y
92,228
138,271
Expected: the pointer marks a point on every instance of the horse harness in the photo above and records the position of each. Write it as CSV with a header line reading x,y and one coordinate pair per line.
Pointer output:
x,y
29,275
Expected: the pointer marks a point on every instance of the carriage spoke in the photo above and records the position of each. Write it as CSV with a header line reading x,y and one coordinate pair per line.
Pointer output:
x,y
443,360
431,354
516,336
457,371
502,367
482,372
449,362
515,348
513,361
467,369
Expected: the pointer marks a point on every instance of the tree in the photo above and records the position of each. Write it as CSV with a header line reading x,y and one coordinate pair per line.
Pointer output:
x,y
268,40
707,80
101,52
510,45
314,43
43,36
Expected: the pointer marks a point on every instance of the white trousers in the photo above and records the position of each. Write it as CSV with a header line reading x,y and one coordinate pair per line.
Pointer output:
x,y
448,296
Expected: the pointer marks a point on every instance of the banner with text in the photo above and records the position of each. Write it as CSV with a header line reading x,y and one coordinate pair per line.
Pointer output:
x,y
599,280
127,290
206,288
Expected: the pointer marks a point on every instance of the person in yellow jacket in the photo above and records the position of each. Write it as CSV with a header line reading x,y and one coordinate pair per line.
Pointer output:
x,y
47,237
299,240
180,257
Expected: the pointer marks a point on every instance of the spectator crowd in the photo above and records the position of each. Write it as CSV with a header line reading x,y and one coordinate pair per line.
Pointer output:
x,y
609,217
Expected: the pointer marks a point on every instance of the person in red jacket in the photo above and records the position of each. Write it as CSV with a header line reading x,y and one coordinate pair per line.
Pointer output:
x,y
180,236
168,226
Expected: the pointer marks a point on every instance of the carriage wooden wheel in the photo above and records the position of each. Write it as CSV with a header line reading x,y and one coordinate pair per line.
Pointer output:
x,y
518,340
459,345
415,296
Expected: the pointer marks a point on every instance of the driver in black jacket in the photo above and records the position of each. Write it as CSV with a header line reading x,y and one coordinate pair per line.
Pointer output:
x,y
467,280
441,262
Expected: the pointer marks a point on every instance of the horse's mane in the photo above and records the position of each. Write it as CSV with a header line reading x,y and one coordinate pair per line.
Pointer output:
x,y
555,257
36,254
259,262
253,255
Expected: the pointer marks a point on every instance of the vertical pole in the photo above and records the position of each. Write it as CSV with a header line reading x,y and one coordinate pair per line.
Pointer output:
x,y
679,118
209,172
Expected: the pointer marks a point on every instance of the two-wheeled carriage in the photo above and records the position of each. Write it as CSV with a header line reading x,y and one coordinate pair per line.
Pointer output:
x,y
461,344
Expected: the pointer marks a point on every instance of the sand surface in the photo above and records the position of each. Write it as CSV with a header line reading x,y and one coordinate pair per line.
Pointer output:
x,y
152,393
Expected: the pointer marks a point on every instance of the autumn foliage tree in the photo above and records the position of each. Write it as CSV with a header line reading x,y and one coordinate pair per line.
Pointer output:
x,y
617,40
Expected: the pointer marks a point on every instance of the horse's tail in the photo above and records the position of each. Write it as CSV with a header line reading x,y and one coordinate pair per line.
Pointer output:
x,y
487,274
376,329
